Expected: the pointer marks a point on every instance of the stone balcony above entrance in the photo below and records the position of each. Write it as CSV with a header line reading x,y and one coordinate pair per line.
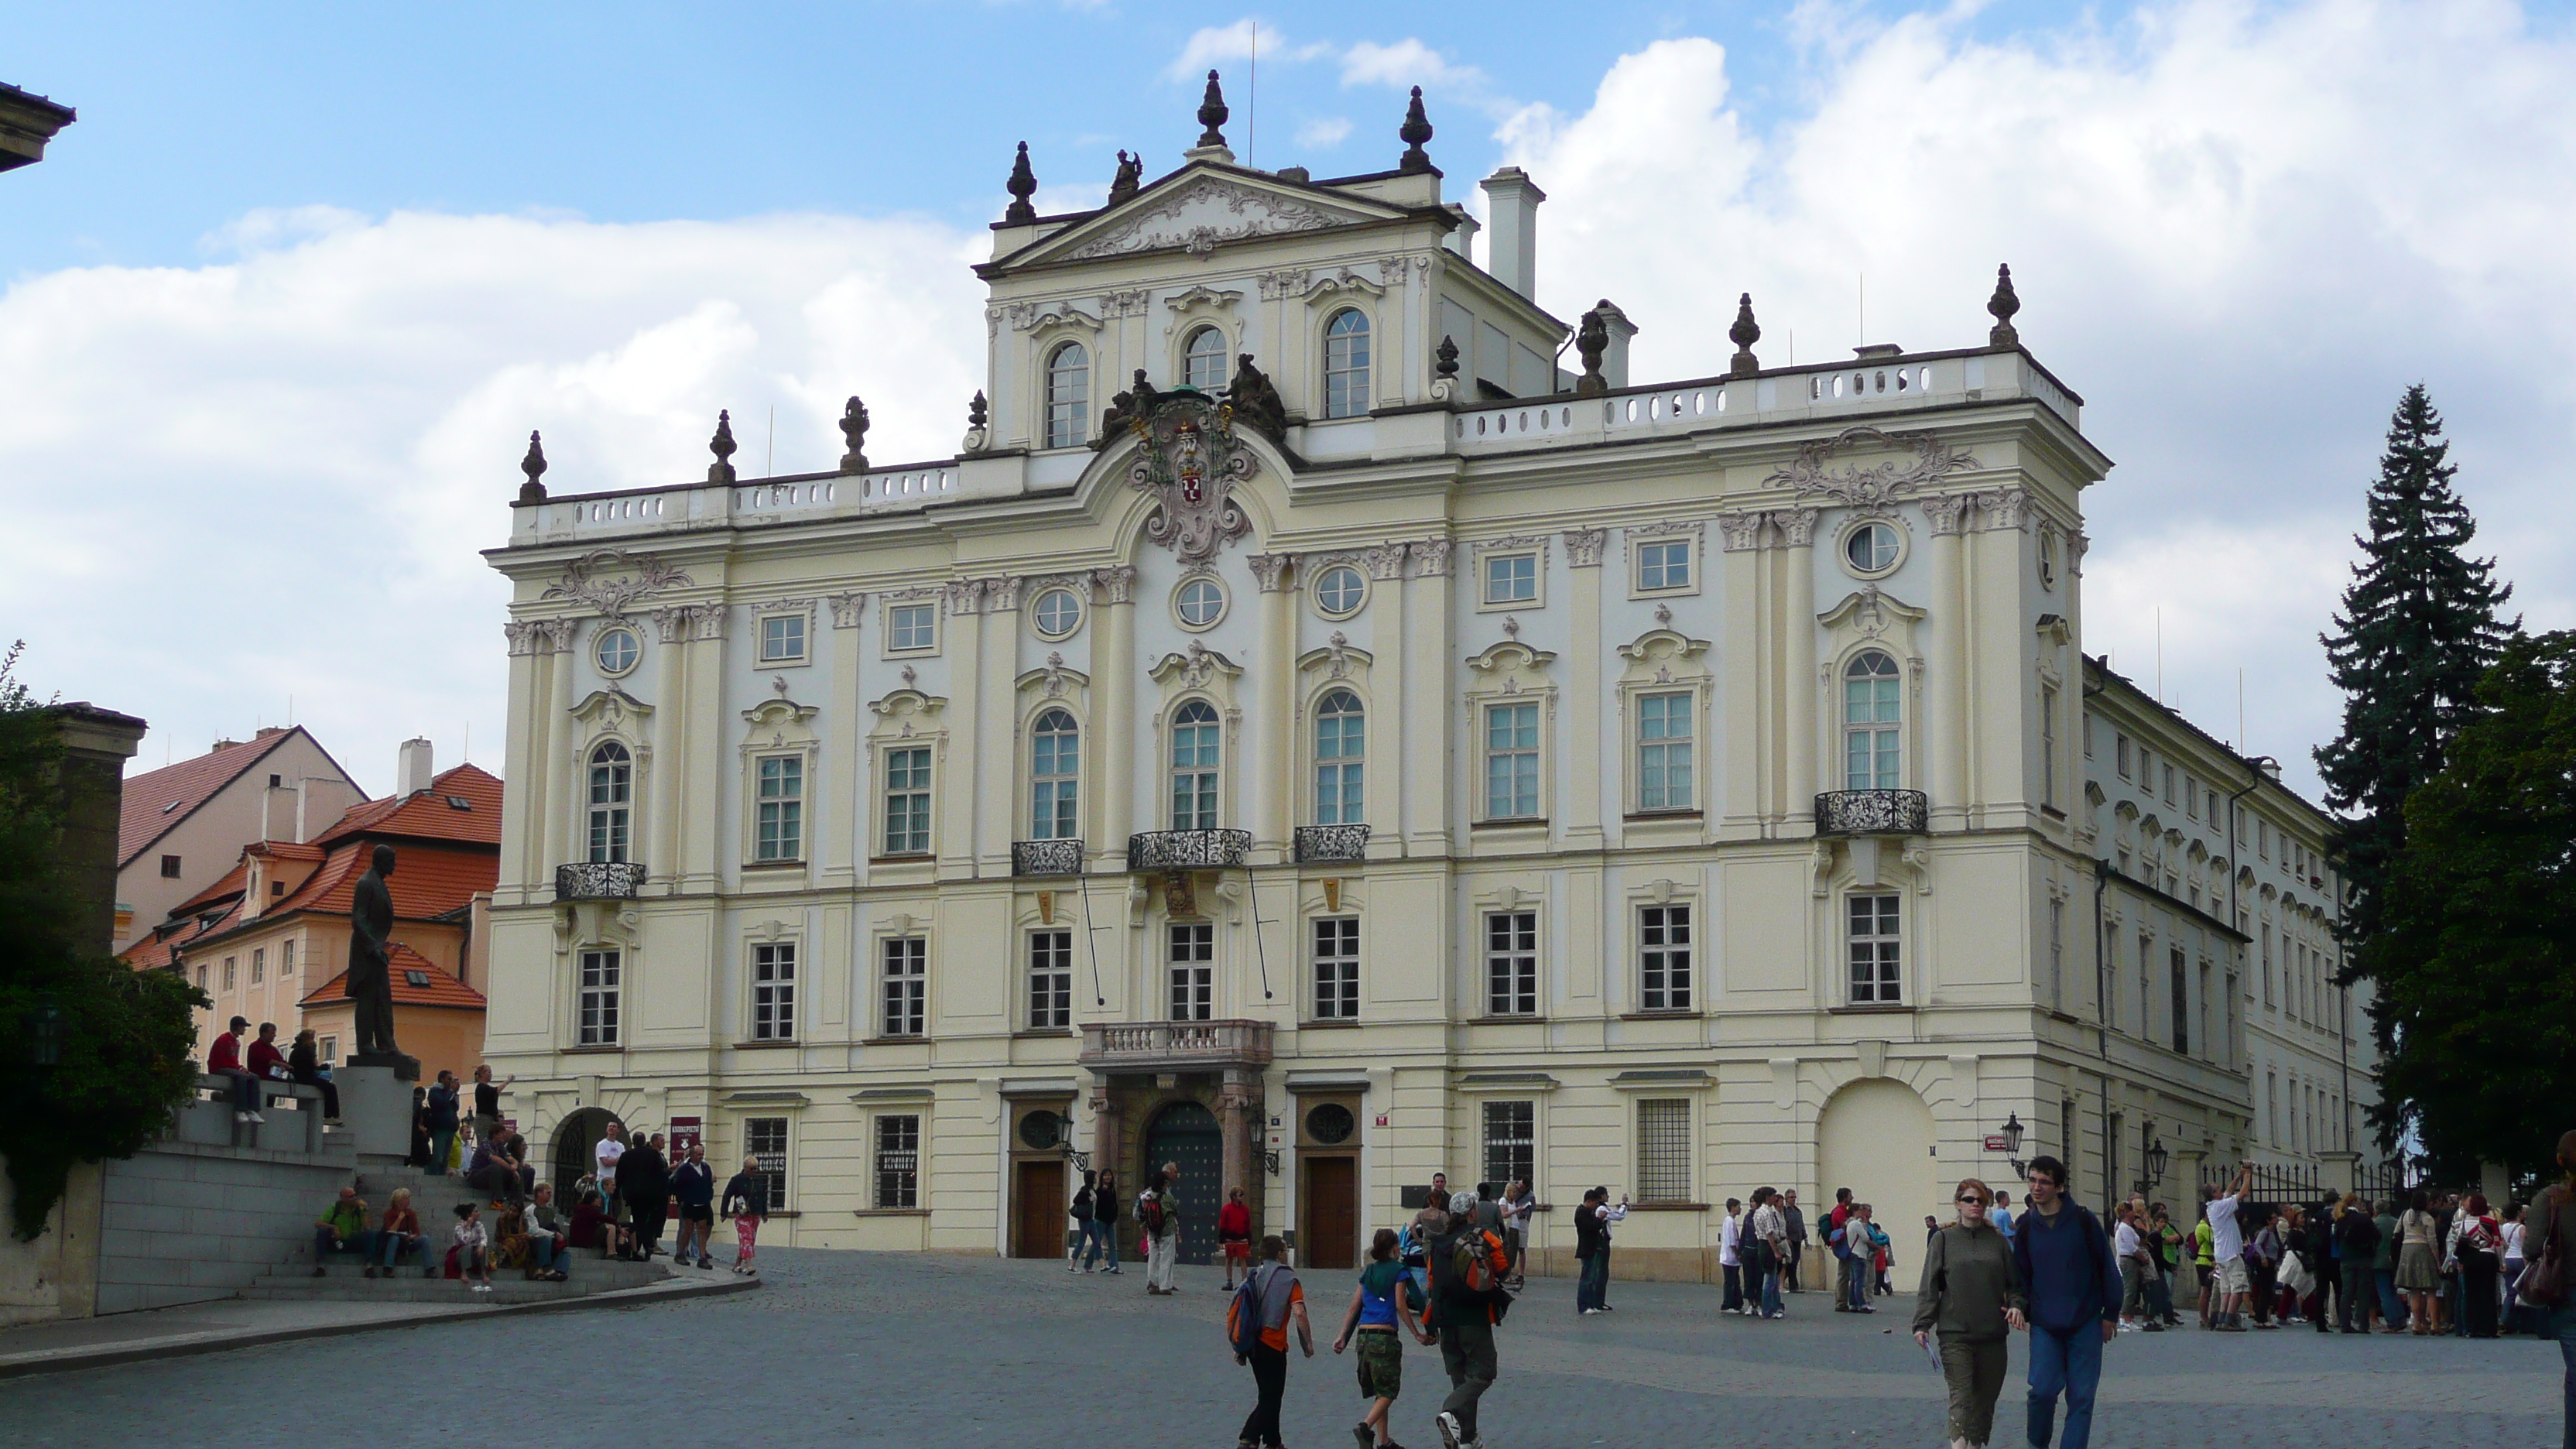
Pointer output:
x,y
1872,812
598,880
1188,849
1174,1046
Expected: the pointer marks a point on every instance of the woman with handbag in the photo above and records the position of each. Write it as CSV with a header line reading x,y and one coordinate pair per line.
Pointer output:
x,y
2418,1270
2544,1284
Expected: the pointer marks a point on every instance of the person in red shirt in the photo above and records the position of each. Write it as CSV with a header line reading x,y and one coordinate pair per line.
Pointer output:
x,y
267,1063
224,1059
1234,1234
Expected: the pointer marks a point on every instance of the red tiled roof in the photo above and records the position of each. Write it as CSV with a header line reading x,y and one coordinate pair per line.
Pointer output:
x,y
438,988
155,950
158,799
285,850
430,814
428,880
234,882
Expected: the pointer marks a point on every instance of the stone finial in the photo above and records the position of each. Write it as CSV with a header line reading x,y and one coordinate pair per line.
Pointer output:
x,y
2003,304
977,410
1022,185
1744,334
1592,338
1415,130
534,465
1446,364
854,431
1212,114
978,432
1131,170
721,470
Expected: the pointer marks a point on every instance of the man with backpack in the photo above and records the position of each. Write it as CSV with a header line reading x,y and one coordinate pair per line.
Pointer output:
x,y
1468,1266
1256,1324
1162,1229
2073,1284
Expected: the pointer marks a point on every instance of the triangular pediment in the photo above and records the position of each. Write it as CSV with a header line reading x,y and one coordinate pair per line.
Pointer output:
x,y
1199,208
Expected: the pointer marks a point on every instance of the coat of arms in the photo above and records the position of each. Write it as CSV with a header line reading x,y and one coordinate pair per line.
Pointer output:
x,y
1190,462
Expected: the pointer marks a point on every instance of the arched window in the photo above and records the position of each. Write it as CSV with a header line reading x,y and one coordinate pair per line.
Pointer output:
x,y
1203,360
1870,723
1196,749
612,801
1055,775
1341,749
1346,365
1068,394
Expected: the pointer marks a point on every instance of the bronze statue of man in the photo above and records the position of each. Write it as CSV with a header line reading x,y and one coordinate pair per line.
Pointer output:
x,y
370,982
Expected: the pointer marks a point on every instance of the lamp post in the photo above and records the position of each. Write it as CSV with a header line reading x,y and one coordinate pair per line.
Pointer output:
x,y
2155,1159
2012,1130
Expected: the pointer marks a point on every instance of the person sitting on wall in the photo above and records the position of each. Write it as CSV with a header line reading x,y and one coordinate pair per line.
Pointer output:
x,y
494,1173
305,1065
267,1063
342,1228
224,1059
591,1225
549,1236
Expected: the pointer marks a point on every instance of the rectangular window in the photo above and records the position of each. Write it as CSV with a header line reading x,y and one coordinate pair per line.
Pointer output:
x,y
258,965
2057,954
1663,566
2146,964
782,638
2181,1004
228,973
1511,963
773,991
1337,968
286,959
2120,749
2208,1043
1511,1142
780,825
898,1162
1511,578
1193,970
912,628
2169,784
2266,938
1663,1149
2048,745
602,976
329,1048
907,801
2190,798
1663,752
169,867
1876,962
764,1141
2088,736
1050,980
907,984
201,976
2066,1129
1511,761
1664,958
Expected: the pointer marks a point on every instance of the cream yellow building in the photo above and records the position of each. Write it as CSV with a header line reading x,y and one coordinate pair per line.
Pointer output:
x,y
1312,734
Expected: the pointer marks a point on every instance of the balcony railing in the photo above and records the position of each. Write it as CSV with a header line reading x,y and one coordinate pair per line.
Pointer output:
x,y
1187,849
1872,812
1175,1045
1046,857
1331,842
598,880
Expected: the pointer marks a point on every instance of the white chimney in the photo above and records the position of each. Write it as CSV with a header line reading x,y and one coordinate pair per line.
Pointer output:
x,y
1511,206
413,771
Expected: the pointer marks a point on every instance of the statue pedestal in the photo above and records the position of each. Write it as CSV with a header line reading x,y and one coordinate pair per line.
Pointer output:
x,y
375,1109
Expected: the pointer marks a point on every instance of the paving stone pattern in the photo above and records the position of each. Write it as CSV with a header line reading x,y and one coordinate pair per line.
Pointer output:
x,y
913,1350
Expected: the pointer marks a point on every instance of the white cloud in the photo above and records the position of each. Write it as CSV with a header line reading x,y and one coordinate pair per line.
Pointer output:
x,y
1408,63
1324,132
1247,39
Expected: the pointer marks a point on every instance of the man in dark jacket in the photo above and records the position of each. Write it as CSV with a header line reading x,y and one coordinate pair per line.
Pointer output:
x,y
2358,1235
2073,1283
2317,1245
644,1180
693,1187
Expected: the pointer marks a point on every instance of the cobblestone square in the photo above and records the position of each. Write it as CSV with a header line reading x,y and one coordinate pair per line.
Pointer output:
x,y
944,1353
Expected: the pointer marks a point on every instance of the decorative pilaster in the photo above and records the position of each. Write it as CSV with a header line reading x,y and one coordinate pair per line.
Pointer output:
x,y
1270,570
1583,547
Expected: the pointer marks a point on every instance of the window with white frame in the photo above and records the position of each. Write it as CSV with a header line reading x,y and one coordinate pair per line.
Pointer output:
x,y
1058,613
906,986
907,801
1341,747
782,638
1872,722
1664,958
1050,980
1664,566
1337,968
779,825
602,982
1510,1142
229,970
1346,364
1511,761
329,1048
1055,777
1664,752
2048,745
912,628
1203,360
1511,578
764,1140
1511,963
1663,1149
286,959
1192,967
612,802
1198,750
773,991
1877,962
898,1162
1068,395
258,964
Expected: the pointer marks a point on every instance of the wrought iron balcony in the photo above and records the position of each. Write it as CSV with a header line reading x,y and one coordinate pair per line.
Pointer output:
x,y
1152,1046
1872,812
598,880
1331,842
1046,857
1187,849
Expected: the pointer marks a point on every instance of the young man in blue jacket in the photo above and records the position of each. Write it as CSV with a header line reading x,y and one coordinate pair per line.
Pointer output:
x,y
2073,1281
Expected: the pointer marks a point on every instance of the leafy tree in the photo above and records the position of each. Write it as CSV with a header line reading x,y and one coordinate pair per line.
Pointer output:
x,y
2476,964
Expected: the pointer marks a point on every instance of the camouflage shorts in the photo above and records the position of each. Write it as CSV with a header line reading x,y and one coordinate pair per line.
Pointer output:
x,y
1381,1358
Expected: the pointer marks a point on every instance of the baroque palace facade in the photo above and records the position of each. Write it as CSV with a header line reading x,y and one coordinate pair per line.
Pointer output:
x,y
1307,736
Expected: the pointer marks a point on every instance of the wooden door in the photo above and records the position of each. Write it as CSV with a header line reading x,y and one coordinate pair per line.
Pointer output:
x,y
1330,1236
1038,1210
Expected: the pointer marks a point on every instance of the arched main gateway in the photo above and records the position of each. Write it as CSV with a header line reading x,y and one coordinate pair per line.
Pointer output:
x,y
1876,1138
574,1137
1187,1134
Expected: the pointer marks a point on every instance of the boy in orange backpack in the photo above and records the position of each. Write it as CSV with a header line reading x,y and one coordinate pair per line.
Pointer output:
x,y
1468,1265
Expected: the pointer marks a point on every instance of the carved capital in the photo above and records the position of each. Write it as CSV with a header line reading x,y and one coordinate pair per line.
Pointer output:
x,y
1270,570
1739,532
2077,541
1583,547
847,609
557,634
671,623
1002,596
1127,303
965,596
706,621
1430,557
1118,585
1948,513
2004,508
523,635
1797,526
1386,561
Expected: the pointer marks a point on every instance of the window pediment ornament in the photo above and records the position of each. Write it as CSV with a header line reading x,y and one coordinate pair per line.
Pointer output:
x,y
1196,299
1198,215
779,723
1874,488
1030,316
1336,657
1190,461
1660,649
1870,613
1510,667
905,711
1055,679
612,710
1194,667
588,580
1337,286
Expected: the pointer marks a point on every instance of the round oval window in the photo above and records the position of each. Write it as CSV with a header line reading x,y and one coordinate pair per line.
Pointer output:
x,y
1059,613
617,650
1331,1124
1871,548
1340,590
1041,1131
1200,603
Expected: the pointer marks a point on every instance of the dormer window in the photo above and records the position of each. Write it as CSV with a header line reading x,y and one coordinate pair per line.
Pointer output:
x,y
1068,394
1346,364
1203,360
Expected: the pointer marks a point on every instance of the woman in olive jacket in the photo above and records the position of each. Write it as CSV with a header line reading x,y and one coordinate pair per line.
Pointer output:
x,y
1971,1296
